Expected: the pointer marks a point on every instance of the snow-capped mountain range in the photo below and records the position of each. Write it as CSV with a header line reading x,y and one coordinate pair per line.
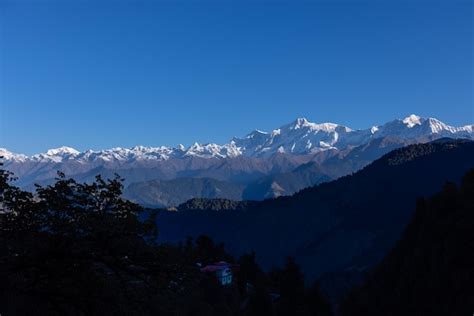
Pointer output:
x,y
299,137
257,166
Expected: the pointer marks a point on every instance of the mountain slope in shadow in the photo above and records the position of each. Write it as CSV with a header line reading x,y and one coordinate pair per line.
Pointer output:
x,y
347,224
430,270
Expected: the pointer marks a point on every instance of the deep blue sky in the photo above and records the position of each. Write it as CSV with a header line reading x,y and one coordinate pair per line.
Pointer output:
x,y
98,74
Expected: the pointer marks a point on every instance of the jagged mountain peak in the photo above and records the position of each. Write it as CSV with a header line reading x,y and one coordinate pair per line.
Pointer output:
x,y
5,152
300,122
300,137
10,156
64,150
412,120
304,123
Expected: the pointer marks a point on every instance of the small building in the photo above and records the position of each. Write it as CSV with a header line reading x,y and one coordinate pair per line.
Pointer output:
x,y
222,270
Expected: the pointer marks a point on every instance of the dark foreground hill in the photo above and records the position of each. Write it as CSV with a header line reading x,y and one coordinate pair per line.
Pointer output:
x,y
431,269
342,227
81,249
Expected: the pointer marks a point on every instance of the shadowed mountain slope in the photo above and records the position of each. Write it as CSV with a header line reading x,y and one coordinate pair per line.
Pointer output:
x,y
345,225
430,270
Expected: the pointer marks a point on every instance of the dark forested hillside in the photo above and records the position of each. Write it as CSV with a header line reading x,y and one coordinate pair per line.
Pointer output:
x,y
287,183
81,249
215,205
345,226
360,156
431,269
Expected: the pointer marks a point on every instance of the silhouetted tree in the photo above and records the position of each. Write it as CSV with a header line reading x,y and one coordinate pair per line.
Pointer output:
x,y
291,288
249,271
316,302
75,248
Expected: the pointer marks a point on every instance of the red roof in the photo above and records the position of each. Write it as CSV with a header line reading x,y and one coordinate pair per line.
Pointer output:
x,y
221,265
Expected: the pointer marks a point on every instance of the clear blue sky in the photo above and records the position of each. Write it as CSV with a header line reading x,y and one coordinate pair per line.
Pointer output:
x,y
98,74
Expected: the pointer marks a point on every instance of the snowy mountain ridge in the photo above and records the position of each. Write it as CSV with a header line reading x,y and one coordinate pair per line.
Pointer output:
x,y
299,137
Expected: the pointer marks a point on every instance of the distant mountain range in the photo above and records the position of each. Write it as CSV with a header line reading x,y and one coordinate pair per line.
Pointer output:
x,y
258,166
299,137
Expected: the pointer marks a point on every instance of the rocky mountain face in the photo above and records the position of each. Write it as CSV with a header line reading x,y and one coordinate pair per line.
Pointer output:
x,y
258,166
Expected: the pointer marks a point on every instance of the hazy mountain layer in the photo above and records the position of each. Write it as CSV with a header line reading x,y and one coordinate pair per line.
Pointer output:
x,y
258,166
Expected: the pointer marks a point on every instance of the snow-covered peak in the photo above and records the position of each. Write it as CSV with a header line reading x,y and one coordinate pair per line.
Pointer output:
x,y
213,150
300,122
415,127
298,137
8,155
467,128
256,133
437,126
57,154
64,150
303,123
412,120
5,153
374,129
328,127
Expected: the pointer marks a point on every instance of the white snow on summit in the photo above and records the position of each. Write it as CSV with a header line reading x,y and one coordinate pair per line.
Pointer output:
x,y
9,156
62,151
412,120
299,137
